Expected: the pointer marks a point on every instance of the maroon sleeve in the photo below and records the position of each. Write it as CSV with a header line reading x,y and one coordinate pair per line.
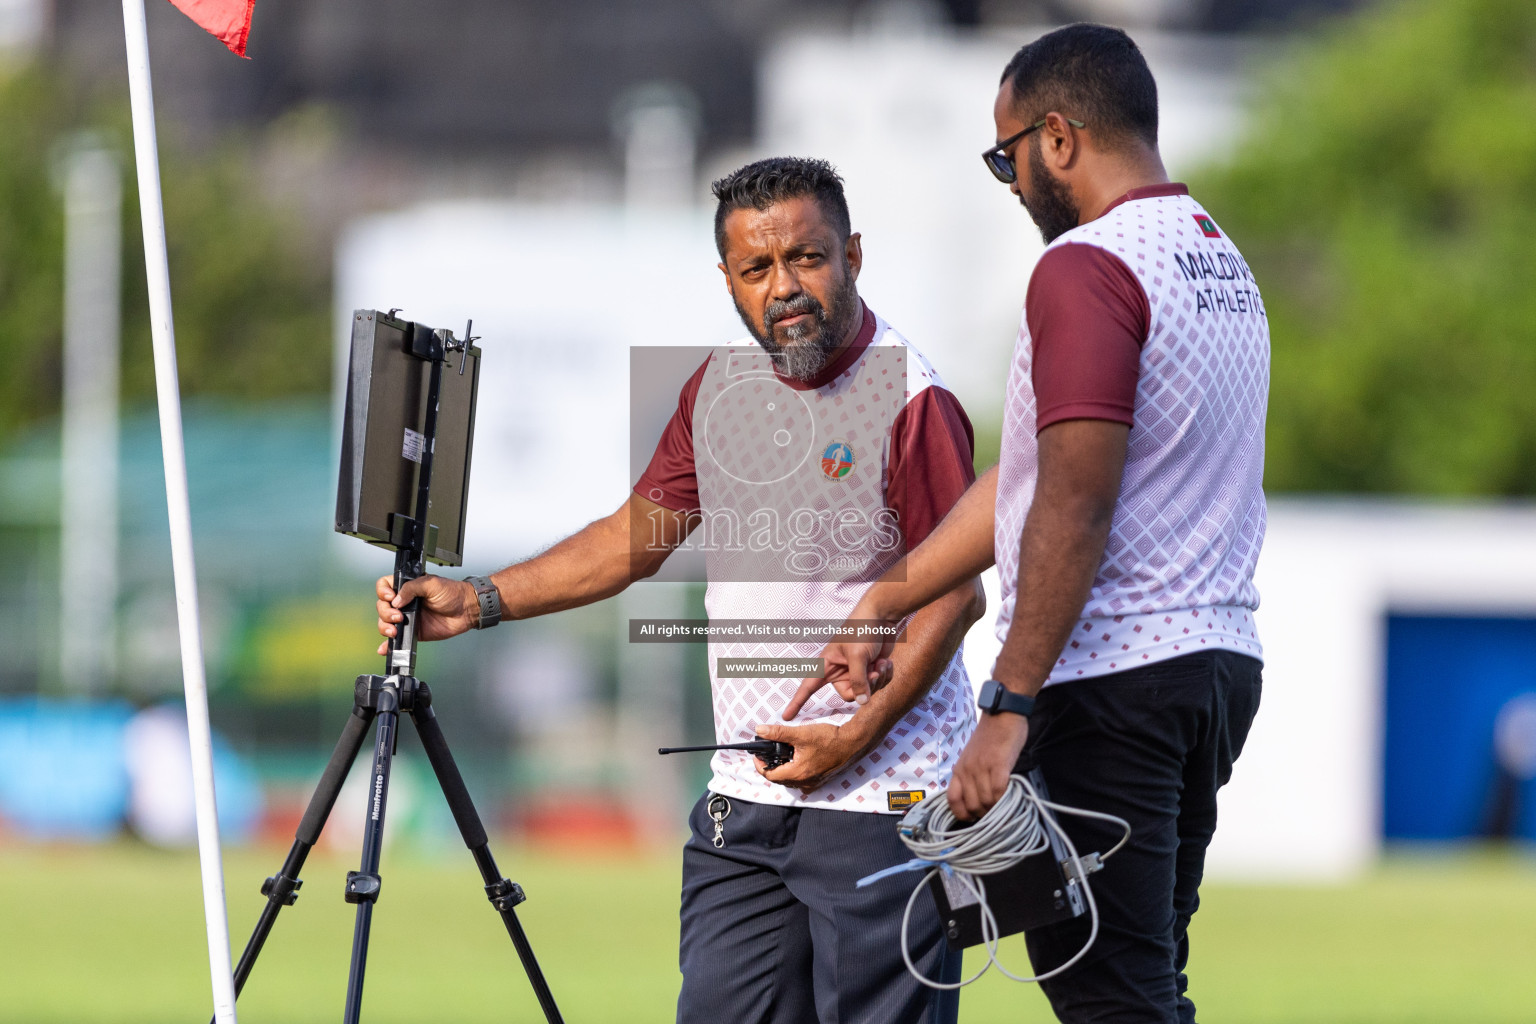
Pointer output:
x,y
933,449
1088,318
670,480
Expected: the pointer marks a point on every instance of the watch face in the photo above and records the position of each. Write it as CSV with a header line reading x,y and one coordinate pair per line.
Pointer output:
x,y
995,698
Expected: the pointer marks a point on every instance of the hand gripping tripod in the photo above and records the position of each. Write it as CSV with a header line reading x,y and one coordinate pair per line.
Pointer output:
x,y
380,700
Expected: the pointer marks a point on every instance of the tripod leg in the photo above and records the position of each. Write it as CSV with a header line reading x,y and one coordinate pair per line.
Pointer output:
x,y
282,888
363,884
503,893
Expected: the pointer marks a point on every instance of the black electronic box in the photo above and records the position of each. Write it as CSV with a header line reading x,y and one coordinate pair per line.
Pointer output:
x,y
1036,891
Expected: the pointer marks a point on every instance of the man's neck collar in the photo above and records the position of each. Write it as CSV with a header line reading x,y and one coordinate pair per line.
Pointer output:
x,y
1166,188
1117,175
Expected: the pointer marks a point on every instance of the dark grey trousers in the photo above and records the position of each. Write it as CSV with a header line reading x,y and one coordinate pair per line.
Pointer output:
x,y
774,931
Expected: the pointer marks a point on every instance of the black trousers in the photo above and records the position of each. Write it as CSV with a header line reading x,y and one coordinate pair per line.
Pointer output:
x,y
774,930
1152,745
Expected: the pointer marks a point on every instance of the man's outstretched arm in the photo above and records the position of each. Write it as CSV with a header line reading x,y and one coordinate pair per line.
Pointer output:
x,y
596,562
948,560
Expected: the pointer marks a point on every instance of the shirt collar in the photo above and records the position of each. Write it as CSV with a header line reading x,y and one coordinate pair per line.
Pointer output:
x,y
1172,188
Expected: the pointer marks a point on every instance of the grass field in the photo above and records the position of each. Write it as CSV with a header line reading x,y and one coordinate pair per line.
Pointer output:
x,y
99,934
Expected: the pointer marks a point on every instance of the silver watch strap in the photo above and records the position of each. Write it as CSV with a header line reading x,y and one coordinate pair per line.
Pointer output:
x,y
490,601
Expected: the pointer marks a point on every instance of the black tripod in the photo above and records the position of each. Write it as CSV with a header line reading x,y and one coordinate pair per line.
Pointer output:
x,y
381,699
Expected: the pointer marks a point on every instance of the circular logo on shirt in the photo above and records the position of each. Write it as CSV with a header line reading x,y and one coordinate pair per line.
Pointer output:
x,y
837,460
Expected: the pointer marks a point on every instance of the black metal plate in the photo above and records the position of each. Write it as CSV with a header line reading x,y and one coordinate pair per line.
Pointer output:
x,y
385,406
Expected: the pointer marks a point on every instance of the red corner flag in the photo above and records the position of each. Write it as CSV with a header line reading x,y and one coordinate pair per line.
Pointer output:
x,y
230,20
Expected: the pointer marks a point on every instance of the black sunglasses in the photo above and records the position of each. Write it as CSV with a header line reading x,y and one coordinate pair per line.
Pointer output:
x,y
1001,164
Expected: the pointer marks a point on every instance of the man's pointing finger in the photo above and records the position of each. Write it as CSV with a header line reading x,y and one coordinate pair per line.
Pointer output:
x,y
808,688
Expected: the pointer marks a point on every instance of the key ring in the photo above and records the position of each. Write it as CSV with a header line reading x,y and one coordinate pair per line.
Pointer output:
x,y
719,810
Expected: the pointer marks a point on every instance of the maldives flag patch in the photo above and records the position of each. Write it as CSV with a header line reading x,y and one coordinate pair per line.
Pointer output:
x,y
1207,226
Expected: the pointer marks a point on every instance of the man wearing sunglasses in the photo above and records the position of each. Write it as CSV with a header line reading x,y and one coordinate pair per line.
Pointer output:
x,y
1125,519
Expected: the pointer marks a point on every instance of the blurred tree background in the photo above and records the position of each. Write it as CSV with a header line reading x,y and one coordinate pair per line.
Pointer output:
x,y
251,280
1386,200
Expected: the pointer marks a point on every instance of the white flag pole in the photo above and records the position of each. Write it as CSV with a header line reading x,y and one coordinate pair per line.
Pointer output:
x,y
168,391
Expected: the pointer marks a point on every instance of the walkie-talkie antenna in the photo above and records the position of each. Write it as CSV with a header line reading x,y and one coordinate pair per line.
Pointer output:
x,y
772,752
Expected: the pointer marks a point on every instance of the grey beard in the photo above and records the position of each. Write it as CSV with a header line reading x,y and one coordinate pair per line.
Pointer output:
x,y
805,359
814,343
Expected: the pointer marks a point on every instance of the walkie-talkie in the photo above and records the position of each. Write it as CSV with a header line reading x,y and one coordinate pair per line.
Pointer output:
x,y
771,752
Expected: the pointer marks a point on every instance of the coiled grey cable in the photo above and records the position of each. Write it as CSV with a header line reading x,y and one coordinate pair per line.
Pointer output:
x,y
1015,828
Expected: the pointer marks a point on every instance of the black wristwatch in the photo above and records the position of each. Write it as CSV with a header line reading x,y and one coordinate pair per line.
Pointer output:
x,y
490,601
996,697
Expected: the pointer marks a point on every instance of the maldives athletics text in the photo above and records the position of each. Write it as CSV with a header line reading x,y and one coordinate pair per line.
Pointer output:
x,y
1225,267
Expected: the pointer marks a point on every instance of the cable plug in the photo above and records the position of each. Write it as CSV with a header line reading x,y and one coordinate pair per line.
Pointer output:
x,y
1091,862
